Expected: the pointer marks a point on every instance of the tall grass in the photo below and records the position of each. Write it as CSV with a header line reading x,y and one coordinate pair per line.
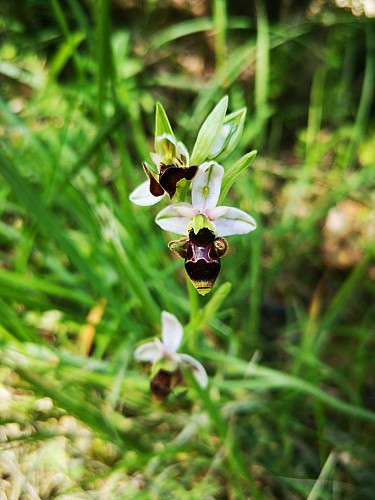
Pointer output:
x,y
286,335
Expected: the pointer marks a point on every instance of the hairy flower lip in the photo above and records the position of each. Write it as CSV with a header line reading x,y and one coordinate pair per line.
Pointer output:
x,y
202,253
170,175
167,179
202,261
163,383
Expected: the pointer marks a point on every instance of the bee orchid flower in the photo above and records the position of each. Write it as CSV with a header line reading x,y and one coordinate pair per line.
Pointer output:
x,y
205,225
183,217
172,166
167,363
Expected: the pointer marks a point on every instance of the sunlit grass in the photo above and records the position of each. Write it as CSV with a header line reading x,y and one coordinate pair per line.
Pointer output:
x,y
286,336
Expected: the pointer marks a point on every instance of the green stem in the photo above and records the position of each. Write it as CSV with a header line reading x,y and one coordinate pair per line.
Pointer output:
x,y
236,462
60,18
220,24
262,68
194,312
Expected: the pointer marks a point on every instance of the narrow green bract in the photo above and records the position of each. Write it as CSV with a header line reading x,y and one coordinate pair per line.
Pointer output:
x,y
162,126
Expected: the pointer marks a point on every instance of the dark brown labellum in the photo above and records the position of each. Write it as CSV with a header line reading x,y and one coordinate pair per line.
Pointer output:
x,y
163,383
202,262
202,253
169,176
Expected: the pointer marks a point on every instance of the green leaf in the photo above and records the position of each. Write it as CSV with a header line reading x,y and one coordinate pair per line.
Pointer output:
x,y
215,302
235,459
162,126
207,313
14,325
257,377
233,172
209,133
49,225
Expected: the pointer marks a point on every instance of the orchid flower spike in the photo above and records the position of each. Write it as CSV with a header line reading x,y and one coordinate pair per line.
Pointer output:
x,y
172,166
182,218
163,355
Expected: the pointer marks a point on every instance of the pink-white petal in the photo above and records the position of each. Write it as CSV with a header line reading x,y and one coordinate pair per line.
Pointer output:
x,y
141,195
215,213
206,185
150,351
171,332
170,219
196,368
234,221
186,210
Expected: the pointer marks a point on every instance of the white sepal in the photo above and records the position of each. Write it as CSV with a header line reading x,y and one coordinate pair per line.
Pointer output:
x,y
233,221
171,332
196,368
170,219
150,351
141,195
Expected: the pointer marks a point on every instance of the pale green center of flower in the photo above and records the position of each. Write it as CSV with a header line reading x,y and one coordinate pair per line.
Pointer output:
x,y
199,222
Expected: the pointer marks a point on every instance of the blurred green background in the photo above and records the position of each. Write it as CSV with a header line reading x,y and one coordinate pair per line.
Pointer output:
x,y
84,274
